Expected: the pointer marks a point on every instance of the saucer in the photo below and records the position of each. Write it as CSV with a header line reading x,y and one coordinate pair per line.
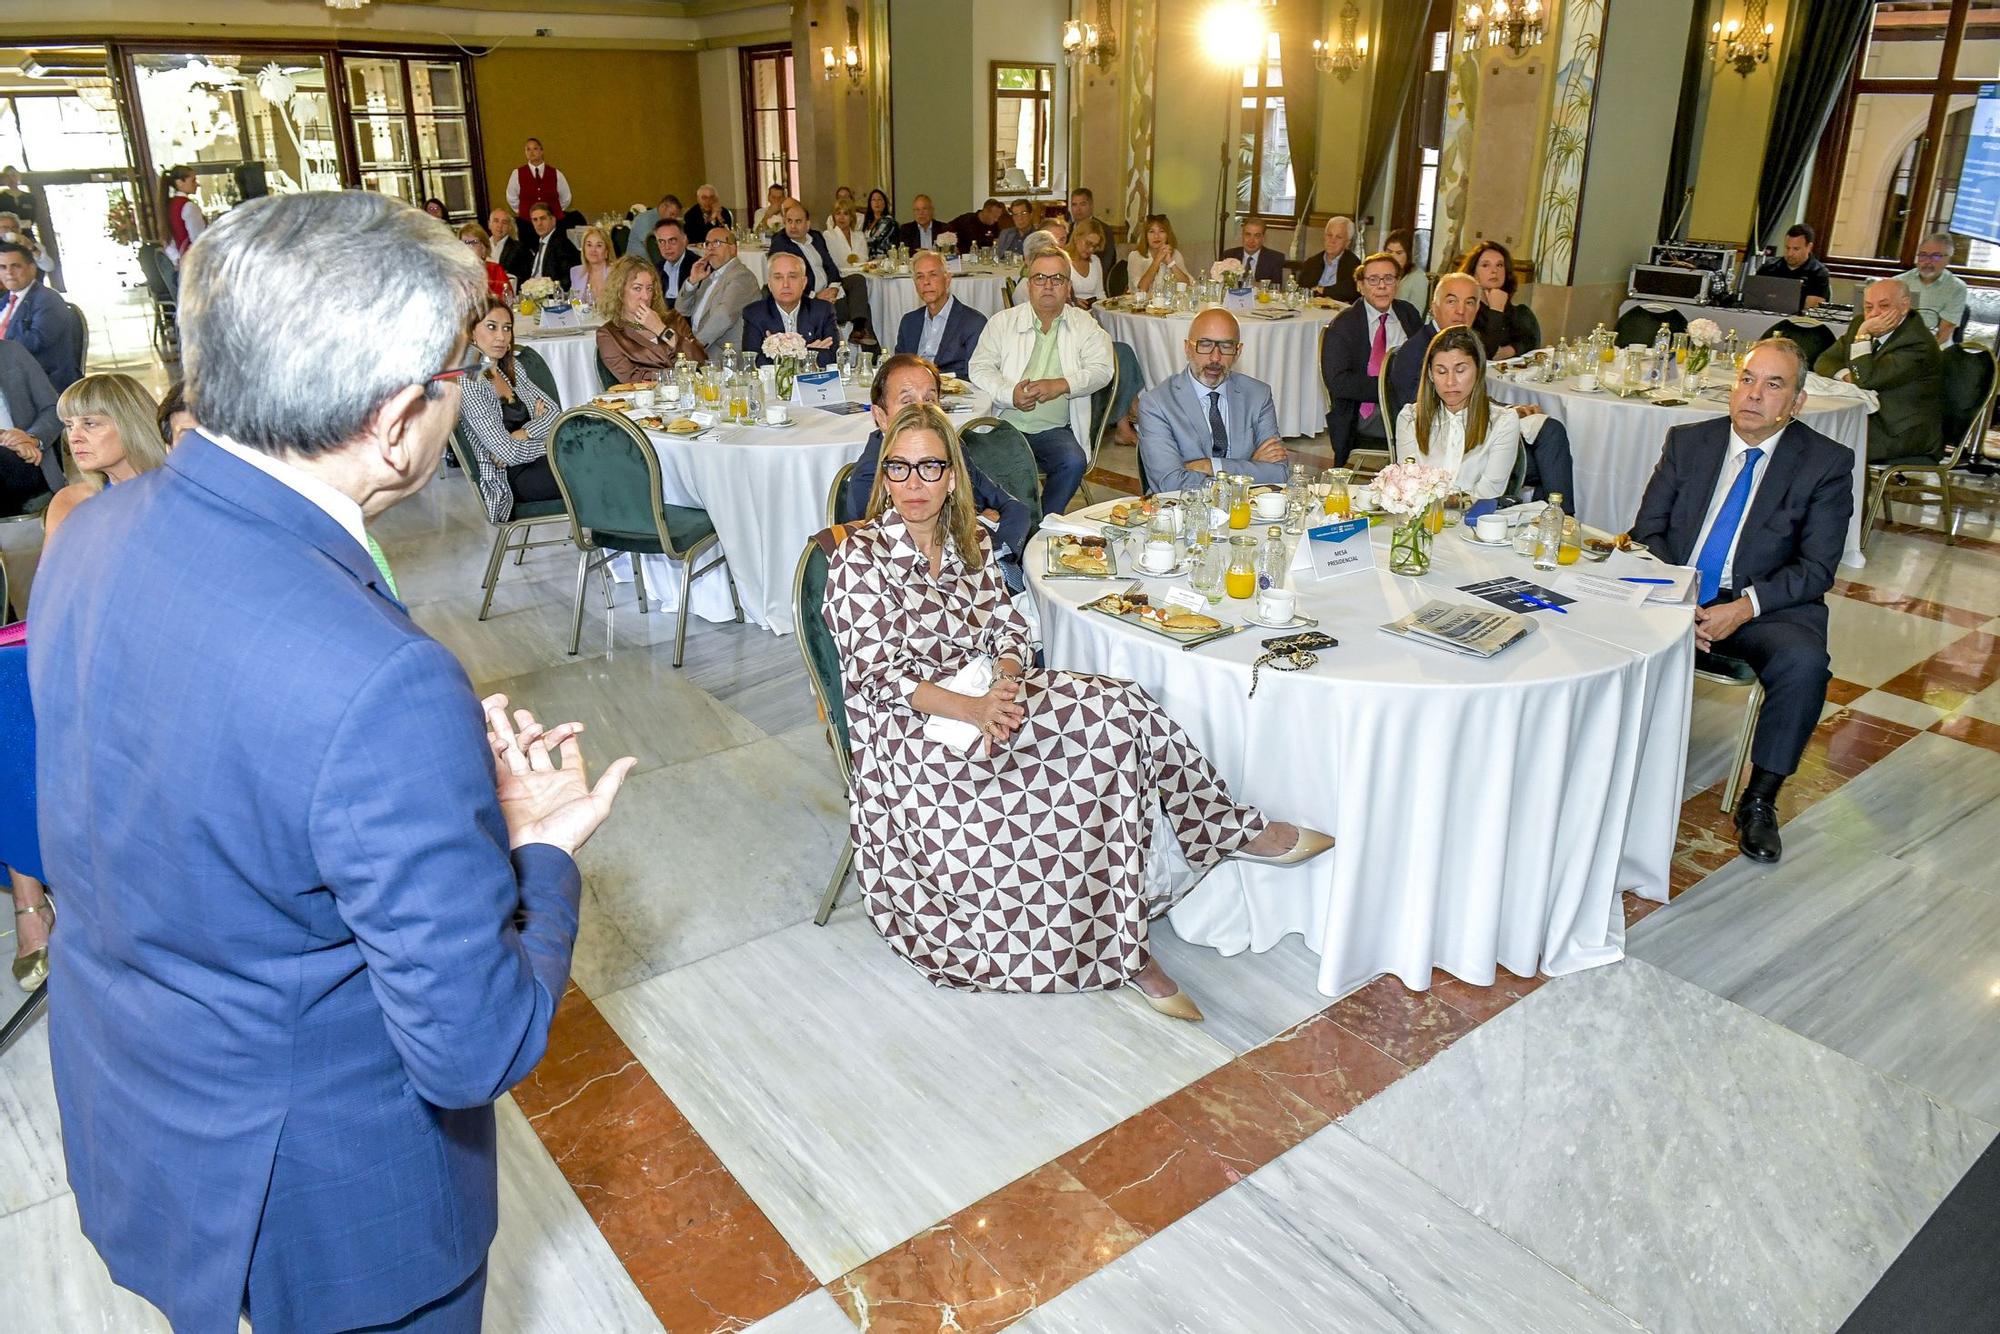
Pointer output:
x,y
774,426
1250,617
1179,569
1579,389
1466,531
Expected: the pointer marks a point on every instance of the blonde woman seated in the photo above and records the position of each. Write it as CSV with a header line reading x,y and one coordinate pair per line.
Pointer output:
x,y
1452,409
641,336
965,872
114,435
1087,242
1159,260
506,419
595,271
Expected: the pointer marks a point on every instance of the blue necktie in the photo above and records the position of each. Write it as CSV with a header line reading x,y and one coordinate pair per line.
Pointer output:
x,y
1727,520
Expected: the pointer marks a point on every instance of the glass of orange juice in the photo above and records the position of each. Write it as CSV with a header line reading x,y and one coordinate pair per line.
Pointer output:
x,y
1241,579
1339,500
1239,501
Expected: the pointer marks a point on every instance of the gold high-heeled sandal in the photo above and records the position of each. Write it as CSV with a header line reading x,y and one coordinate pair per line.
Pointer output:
x,y
31,970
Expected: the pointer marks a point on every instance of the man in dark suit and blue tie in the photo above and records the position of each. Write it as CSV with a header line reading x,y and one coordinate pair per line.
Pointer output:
x,y
1210,420
1759,504
1358,343
1259,265
789,310
942,329
322,906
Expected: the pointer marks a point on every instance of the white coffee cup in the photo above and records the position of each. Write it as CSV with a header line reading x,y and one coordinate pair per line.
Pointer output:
x,y
670,394
1491,528
1277,605
1270,505
1587,382
645,398
1158,555
776,414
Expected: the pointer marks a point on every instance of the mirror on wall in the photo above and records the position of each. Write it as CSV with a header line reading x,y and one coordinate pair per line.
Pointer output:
x,y
1023,128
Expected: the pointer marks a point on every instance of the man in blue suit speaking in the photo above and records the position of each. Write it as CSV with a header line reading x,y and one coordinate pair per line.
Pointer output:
x,y
1210,420
318,902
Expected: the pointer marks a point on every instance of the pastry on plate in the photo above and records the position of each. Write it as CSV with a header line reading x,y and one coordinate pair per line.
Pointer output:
x,y
1187,622
683,426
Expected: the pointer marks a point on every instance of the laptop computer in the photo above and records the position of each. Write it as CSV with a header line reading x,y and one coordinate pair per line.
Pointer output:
x,y
1778,295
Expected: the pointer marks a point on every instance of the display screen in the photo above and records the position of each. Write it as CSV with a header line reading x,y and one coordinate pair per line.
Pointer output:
x,y
1977,210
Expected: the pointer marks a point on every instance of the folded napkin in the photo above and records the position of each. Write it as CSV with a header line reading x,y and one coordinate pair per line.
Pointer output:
x,y
975,678
1056,523
1820,387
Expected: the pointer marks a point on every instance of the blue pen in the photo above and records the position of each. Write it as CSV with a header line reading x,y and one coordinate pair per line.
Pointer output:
x,y
1533,601
1632,579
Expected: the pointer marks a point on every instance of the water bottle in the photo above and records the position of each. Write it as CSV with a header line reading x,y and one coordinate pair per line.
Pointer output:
x,y
1274,560
1548,532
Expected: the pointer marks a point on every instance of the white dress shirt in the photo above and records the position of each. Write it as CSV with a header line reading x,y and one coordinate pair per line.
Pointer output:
x,y
514,186
817,278
1732,464
933,335
846,246
340,508
1086,284
1380,317
1482,471
791,317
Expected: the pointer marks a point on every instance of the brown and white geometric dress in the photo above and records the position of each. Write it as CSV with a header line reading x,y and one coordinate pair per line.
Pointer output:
x,y
1022,870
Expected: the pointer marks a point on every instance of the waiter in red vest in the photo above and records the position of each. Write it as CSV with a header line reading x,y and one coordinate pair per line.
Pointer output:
x,y
536,182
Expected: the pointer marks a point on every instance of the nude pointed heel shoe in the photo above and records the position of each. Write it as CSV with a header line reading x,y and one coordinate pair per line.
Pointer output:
x,y
1180,1005
1311,843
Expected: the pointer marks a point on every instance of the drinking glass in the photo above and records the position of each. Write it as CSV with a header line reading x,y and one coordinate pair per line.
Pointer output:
x,y
1454,509
1240,579
845,358
1205,572
1339,501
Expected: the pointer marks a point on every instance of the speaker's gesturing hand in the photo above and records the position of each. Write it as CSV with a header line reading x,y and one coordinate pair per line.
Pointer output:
x,y
541,800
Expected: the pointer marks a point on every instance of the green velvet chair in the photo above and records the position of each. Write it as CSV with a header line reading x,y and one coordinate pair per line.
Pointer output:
x,y
1102,417
1969,387
1003,454
836,498
526,514
822,660
609,476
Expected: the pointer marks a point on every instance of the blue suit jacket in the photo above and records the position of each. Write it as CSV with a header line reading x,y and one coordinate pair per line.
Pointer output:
x,y
1406,367
297,962
1174,431
816,321
962,327
47,327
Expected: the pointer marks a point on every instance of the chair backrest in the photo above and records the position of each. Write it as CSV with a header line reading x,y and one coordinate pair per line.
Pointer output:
x,y
82,336
1813,338
468,463
1641,323
151,260
1004,455
1117,276
609,476
1383,404
1007,293
605,379
1100,411
1969,385
837,509
816,646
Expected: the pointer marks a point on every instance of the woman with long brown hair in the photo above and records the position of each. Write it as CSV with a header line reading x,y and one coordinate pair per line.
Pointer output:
x,y
1506,327
641,334
506,418
1453,423
1159,259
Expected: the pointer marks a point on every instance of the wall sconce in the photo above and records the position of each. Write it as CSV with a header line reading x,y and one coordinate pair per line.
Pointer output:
x,y
1517,26
848,58
1344,57
1090,43
1744,44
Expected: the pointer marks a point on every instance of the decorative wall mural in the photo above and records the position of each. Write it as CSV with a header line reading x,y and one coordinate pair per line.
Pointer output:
x,y
1141,57
1582,39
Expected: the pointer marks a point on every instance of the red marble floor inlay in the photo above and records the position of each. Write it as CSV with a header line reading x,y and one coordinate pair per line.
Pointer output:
x,y
1892,600
1331,1066
1149,1170
1952,675
1242,1118
1045,1231
1942,539
1411,1026
935,1281
1843,692
1965,727
1479,1003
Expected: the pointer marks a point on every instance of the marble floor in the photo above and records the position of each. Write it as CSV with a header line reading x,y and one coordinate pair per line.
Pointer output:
x,y
746,1121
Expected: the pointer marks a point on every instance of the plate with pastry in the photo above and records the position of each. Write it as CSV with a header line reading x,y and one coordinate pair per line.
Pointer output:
x,y
683,426
1073,557
1172,622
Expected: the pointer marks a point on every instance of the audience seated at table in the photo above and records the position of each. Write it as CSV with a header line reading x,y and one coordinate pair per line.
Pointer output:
x,y
1759,502
435,207
474,238
1158,260
707,214
677,260
1358,342
36,316
1086,265
1506,327
30,462
718,290
1082,206
842,194
1020,222
923,228
641,336
941,329
1940,295
913,599
845,238
589,273
640,226
1798,261
112,429
787,309
846,292
772,217
1047,241
1260,265
505,418
1451,410
545,252
903,379
1041,363
979,227
1454,302
503,241
1888,351
1413,285
878,224
1209,420
1331,273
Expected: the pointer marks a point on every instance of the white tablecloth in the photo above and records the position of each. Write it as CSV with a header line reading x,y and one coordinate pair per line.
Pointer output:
x,y
1615,442
765,490
753,260
1486,811
891,298
1749,325
572,358
1282,353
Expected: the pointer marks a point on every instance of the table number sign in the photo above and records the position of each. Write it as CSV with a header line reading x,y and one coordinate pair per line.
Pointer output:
x,y
1239,298
559,317
1340,548
818,389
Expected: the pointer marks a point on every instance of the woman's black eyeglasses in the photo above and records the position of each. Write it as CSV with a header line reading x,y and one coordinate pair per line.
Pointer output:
x,y
931,470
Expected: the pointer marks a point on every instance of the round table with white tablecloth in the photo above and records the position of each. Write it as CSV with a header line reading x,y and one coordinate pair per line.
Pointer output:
x,y
892,296
1615,441
571,355
1283,353
1487,811
765,490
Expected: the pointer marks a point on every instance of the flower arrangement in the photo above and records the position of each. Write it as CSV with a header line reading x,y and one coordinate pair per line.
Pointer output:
x,y
541,290
1225,270
947,240
783,346
1409,487
1704,333
121,223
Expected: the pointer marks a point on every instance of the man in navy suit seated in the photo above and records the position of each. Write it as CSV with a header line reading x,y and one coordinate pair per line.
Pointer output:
x,y
1759,503
787,309
38,318
322,908
942,329
846,293
1210,420
1358,342
1259,264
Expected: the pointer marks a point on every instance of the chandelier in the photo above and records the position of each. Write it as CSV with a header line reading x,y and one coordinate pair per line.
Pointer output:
x,y
1742,44
1344,57
1084,42
1517,27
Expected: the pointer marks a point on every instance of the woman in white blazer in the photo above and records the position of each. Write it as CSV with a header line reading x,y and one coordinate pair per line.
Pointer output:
x,y
1451,409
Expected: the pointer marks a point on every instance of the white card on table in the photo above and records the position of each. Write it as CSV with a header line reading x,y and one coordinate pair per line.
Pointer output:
x,y
1239,298
818,389
1600,588
559,317
1187,599
1340,548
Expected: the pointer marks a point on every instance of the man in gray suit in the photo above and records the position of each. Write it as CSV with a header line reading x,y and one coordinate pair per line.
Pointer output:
x,y
30,465
1210,420
717,290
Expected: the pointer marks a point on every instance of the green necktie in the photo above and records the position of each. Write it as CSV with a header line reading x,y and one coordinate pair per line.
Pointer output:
x,y
382,564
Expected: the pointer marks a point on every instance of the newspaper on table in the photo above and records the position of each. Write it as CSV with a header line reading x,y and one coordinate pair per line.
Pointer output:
x,y
1478,632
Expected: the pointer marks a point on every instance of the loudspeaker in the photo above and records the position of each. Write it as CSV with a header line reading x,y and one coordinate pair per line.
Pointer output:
x,y
249,180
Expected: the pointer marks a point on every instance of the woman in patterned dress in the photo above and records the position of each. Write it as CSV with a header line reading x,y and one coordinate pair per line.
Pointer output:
x,y
1016,866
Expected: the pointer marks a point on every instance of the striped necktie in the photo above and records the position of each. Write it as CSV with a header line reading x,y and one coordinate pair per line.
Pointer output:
x,y
382,564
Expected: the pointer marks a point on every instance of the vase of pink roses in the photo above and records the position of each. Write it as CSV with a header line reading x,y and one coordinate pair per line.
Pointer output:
x,y
787,352
1415,494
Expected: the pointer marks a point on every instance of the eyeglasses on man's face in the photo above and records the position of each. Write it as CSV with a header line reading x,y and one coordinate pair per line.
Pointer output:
x,y
1228,347
1048,279
1380,280
899,470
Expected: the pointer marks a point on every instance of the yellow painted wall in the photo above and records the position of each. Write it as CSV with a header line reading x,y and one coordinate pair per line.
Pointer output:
x,y
624,126
1732,143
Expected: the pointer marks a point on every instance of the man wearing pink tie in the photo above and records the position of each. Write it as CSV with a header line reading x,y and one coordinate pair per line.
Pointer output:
x,y
1357,345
